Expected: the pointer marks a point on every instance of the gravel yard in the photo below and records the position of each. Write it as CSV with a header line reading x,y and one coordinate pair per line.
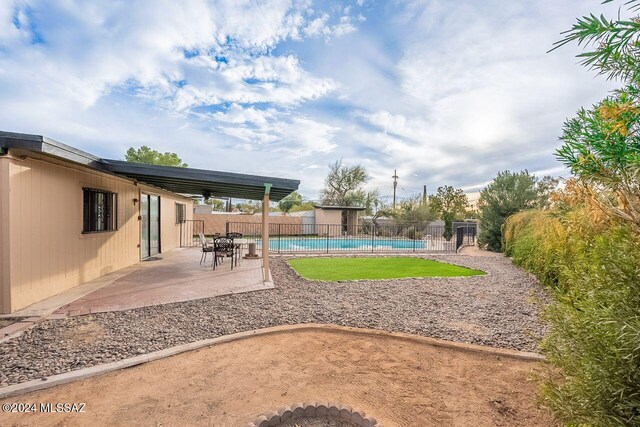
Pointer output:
x,y
497,309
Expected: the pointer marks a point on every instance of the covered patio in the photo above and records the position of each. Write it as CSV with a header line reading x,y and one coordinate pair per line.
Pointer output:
x,y
212,184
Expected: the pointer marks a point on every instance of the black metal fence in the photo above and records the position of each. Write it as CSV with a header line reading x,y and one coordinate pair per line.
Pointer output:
x,y
189,232
465,234
367,237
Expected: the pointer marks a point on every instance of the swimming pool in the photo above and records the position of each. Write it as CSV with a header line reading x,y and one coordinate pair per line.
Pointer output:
x,y
329,244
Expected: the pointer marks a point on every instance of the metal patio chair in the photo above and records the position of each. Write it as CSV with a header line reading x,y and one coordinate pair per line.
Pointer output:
x,y
206,249
223,247
237,246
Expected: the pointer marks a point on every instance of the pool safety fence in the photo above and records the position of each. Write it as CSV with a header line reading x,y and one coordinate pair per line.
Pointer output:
x,y
364,237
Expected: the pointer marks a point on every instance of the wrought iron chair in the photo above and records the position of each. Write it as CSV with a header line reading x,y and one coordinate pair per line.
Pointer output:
x,y
237,246
223,247
206,249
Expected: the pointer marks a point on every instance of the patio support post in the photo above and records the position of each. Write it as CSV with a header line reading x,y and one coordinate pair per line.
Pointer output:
x,y
265,232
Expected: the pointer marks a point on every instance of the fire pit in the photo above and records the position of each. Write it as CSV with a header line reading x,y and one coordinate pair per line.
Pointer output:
x,y
315,414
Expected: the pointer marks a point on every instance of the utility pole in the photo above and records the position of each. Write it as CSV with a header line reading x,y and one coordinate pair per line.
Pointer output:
x,y
395,185
424,195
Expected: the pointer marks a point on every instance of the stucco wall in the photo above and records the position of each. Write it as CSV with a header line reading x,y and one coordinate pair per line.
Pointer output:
x,y
5,295
47,251
249,224
331,217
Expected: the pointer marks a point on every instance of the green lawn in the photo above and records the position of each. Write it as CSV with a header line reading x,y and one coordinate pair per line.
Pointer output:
x,y
333,269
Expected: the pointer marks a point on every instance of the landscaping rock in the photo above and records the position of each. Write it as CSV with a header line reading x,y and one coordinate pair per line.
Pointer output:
x,y
499,309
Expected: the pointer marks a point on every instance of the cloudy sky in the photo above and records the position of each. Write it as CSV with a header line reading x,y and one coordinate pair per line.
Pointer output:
x,y
445,92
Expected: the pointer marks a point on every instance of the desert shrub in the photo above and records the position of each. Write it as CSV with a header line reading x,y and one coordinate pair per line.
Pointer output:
x,y
536,241
595,332
594,314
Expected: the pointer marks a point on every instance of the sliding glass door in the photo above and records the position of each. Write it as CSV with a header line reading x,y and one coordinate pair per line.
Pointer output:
x,y
149,225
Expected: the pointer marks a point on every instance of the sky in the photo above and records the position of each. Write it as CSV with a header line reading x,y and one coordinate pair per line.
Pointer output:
x,y
446,93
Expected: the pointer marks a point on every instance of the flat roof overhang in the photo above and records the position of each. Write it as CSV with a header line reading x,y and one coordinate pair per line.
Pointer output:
x,y
175,179
200,181
342,208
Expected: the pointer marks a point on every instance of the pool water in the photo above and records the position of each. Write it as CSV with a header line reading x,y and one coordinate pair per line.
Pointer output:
x,y
295,244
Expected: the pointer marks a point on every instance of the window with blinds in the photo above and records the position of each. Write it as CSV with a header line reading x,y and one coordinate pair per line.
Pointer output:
x,y
99,211
181,213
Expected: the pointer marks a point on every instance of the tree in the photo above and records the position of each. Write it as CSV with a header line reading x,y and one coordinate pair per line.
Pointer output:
x,y
343,186
451,204
601,145
507,194
372,202
306,206
414,210
293,199
145,154
251,207
216,204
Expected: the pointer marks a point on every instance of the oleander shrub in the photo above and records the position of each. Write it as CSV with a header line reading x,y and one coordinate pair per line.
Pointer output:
x,y
536,241
593,273
594,338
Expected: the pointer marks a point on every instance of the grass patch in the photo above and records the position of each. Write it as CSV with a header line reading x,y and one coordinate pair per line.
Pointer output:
x,y
334,269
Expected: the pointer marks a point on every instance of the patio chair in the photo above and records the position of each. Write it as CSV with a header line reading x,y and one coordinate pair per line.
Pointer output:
x,y
223,247
206,249
237,246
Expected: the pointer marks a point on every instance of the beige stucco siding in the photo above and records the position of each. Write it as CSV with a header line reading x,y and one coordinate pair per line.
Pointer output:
x,y
47,251
170,231
330,217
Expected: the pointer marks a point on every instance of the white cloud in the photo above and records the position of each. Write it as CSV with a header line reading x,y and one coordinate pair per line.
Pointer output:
x,y
446,94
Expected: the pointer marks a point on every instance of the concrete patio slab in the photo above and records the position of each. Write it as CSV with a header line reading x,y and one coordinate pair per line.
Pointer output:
x,y
174,276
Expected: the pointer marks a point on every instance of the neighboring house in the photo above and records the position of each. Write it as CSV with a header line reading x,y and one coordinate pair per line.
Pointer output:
x,y
67,217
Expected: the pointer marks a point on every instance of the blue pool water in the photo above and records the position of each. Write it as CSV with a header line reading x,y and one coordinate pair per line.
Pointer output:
x,y
295,244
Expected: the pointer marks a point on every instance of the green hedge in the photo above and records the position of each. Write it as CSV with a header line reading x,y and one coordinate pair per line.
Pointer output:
x,y
594,340
536,241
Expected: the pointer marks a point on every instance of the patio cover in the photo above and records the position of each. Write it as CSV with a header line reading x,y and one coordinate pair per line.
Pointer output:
x,y
178,180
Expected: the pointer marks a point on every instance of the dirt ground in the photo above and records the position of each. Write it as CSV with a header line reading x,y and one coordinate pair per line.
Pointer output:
x,y
398,382
476,251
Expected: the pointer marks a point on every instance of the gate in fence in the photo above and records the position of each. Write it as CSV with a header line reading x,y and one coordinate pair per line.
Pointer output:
x,y
366,237
189,232
465,234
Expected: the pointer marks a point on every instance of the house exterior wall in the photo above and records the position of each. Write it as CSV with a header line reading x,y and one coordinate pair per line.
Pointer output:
x,y
47,251
5,229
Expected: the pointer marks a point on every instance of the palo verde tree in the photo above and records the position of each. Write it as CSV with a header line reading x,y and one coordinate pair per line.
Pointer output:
x,y
451,204
344,186
147,155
